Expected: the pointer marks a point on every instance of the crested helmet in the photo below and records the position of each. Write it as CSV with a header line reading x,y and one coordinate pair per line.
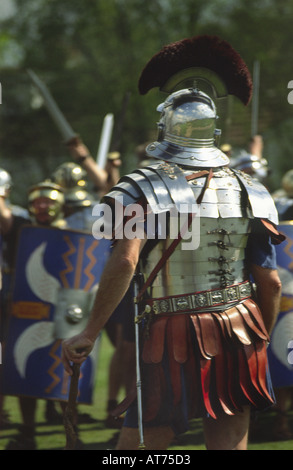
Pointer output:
x,y
194,71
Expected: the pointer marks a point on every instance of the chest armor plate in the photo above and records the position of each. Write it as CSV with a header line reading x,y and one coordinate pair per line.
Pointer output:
x,y
217,262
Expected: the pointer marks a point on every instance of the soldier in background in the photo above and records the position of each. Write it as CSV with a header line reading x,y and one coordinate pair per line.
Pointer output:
x,y
102,178
251,162
78,200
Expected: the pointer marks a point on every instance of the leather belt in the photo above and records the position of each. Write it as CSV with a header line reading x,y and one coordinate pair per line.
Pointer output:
x,y
200,300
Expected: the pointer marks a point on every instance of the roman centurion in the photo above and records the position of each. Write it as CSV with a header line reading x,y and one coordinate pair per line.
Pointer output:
x,y
204,315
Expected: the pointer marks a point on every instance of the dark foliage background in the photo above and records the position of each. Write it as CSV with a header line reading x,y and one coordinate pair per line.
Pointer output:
x,y
90,55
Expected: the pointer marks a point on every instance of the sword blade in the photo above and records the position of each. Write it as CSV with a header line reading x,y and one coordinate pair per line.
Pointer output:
x,y
62,124
105,140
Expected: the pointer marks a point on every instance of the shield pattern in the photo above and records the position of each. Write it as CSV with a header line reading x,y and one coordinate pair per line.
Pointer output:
x,y
49,261
279,350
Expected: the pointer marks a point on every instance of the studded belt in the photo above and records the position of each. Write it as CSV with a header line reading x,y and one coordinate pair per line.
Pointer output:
x,y
199,300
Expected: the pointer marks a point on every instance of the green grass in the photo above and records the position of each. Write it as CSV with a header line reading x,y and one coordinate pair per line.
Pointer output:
x,y
95,436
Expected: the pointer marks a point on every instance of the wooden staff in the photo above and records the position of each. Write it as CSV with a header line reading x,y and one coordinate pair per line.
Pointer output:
x,y
68,418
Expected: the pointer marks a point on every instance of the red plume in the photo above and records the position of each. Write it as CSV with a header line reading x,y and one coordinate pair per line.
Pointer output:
x,y
209,52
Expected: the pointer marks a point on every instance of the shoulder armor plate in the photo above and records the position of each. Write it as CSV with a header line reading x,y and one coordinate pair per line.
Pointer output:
x,y
164,185
262,203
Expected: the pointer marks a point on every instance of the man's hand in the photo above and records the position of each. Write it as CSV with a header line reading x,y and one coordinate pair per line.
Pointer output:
x,y
77,148
118,272
76,349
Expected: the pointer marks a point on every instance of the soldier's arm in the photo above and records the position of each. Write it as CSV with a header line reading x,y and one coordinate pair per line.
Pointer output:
x,y
82,156
269,288
256,146
6,217
113,170
114,284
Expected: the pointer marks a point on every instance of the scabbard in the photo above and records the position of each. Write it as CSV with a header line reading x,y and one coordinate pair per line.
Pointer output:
x,y
137,356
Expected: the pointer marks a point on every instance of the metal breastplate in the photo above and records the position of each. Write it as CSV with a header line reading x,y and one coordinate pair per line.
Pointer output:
x,y
218,261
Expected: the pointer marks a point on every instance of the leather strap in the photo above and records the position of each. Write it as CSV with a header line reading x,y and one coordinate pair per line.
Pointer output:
x,y
163,259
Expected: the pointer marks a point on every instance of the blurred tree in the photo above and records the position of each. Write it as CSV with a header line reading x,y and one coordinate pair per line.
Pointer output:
x,y
91,53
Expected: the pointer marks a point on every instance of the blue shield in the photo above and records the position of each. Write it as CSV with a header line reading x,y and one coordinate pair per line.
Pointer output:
x,y
51,264
279,350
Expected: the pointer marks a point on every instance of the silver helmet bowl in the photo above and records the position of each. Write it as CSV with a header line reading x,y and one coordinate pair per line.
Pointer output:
x,y
187,131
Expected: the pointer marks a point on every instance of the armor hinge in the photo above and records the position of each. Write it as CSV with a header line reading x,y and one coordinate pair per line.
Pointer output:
x,y
222,260
221,231
221,244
